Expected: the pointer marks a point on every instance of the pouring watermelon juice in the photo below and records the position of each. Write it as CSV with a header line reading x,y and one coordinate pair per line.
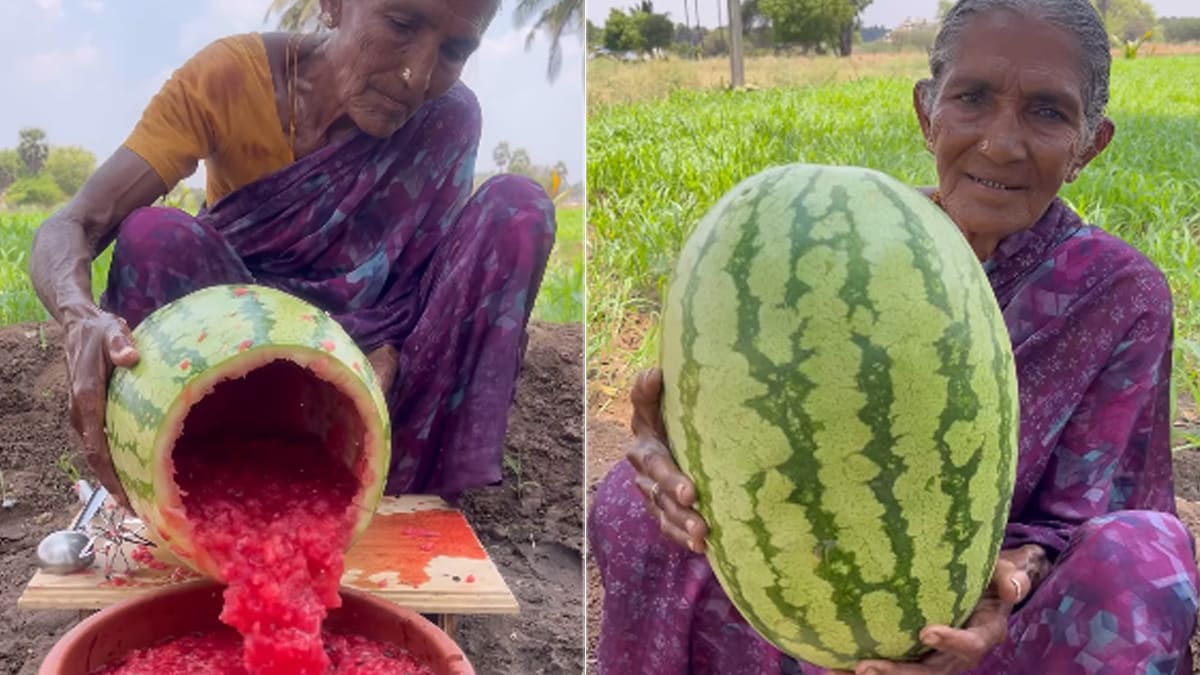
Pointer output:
x,y
253,439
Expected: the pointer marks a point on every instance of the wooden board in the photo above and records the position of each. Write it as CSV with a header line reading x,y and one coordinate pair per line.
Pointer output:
x,y
418,552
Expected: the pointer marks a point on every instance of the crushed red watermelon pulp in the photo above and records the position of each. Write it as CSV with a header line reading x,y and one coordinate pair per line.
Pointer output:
x,y
220,652
276,516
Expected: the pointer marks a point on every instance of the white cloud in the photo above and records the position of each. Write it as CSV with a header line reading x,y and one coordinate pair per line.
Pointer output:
x,y
506,78
94,6
221,18
52,7
60,64
511,42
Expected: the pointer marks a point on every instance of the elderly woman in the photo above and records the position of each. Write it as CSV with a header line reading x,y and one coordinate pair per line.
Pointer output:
x,y
340,169
1096,574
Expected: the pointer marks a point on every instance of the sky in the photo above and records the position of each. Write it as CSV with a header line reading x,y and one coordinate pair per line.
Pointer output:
x,y
880,12
83,71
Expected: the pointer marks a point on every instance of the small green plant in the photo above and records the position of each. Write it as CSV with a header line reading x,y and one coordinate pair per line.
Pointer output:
x,y
513,463
1130,47
67,465
560,299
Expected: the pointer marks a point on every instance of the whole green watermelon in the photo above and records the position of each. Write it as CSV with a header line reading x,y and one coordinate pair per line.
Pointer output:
x,y
238,360
840,386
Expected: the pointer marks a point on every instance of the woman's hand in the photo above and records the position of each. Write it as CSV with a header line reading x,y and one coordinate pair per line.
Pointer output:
x,y
95,342
384,360
1018,573
669,494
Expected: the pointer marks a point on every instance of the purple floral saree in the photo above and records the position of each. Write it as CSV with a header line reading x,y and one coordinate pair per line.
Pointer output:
x,y
386,236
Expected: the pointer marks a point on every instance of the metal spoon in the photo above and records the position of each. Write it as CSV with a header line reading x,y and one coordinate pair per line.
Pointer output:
x,y
71,550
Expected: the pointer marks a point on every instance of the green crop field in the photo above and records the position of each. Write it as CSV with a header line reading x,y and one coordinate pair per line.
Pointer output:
x,y
561,297
656,166
560,300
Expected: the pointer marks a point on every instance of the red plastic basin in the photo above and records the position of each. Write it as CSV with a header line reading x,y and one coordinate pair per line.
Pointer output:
x,y
108,635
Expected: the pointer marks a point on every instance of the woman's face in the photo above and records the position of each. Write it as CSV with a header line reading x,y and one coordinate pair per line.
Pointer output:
x,y
392,56
1007,126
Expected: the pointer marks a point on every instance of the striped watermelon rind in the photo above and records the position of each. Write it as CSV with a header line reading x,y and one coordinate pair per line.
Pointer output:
x,y
223,332
840,386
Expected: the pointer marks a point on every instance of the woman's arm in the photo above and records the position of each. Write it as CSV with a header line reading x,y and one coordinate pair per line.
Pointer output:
x,y
60,269
65,245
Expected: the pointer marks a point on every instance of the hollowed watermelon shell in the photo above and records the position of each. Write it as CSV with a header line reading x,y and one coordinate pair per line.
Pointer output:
x,y
227,334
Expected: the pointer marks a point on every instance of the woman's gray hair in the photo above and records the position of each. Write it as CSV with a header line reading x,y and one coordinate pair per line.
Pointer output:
x,y
1076,17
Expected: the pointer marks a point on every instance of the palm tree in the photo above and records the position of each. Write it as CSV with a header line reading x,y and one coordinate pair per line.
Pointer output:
x,y
556,18
520,163
502,155
296,14
33,149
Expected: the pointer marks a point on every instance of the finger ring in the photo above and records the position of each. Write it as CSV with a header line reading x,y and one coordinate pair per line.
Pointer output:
x,y
1016,585
655,492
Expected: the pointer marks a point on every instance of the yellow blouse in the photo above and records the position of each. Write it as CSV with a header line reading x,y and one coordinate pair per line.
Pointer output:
x,y
218,107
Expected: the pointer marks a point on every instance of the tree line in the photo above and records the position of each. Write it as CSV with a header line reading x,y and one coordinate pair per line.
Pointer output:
x,y
518,161
36,173
829,26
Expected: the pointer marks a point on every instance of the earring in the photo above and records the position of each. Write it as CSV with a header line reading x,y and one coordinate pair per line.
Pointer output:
x,y
406,74
326,18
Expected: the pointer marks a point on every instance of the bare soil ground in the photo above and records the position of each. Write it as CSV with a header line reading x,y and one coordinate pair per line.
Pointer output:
x,y
531,526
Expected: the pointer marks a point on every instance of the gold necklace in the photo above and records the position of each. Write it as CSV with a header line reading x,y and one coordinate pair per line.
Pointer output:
x,y
292,66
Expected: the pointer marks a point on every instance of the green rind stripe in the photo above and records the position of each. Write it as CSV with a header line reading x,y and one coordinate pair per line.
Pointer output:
x,y
174,349
688,386
783,405
135,486
960,400
259,318
1004,367
962,403
875,381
